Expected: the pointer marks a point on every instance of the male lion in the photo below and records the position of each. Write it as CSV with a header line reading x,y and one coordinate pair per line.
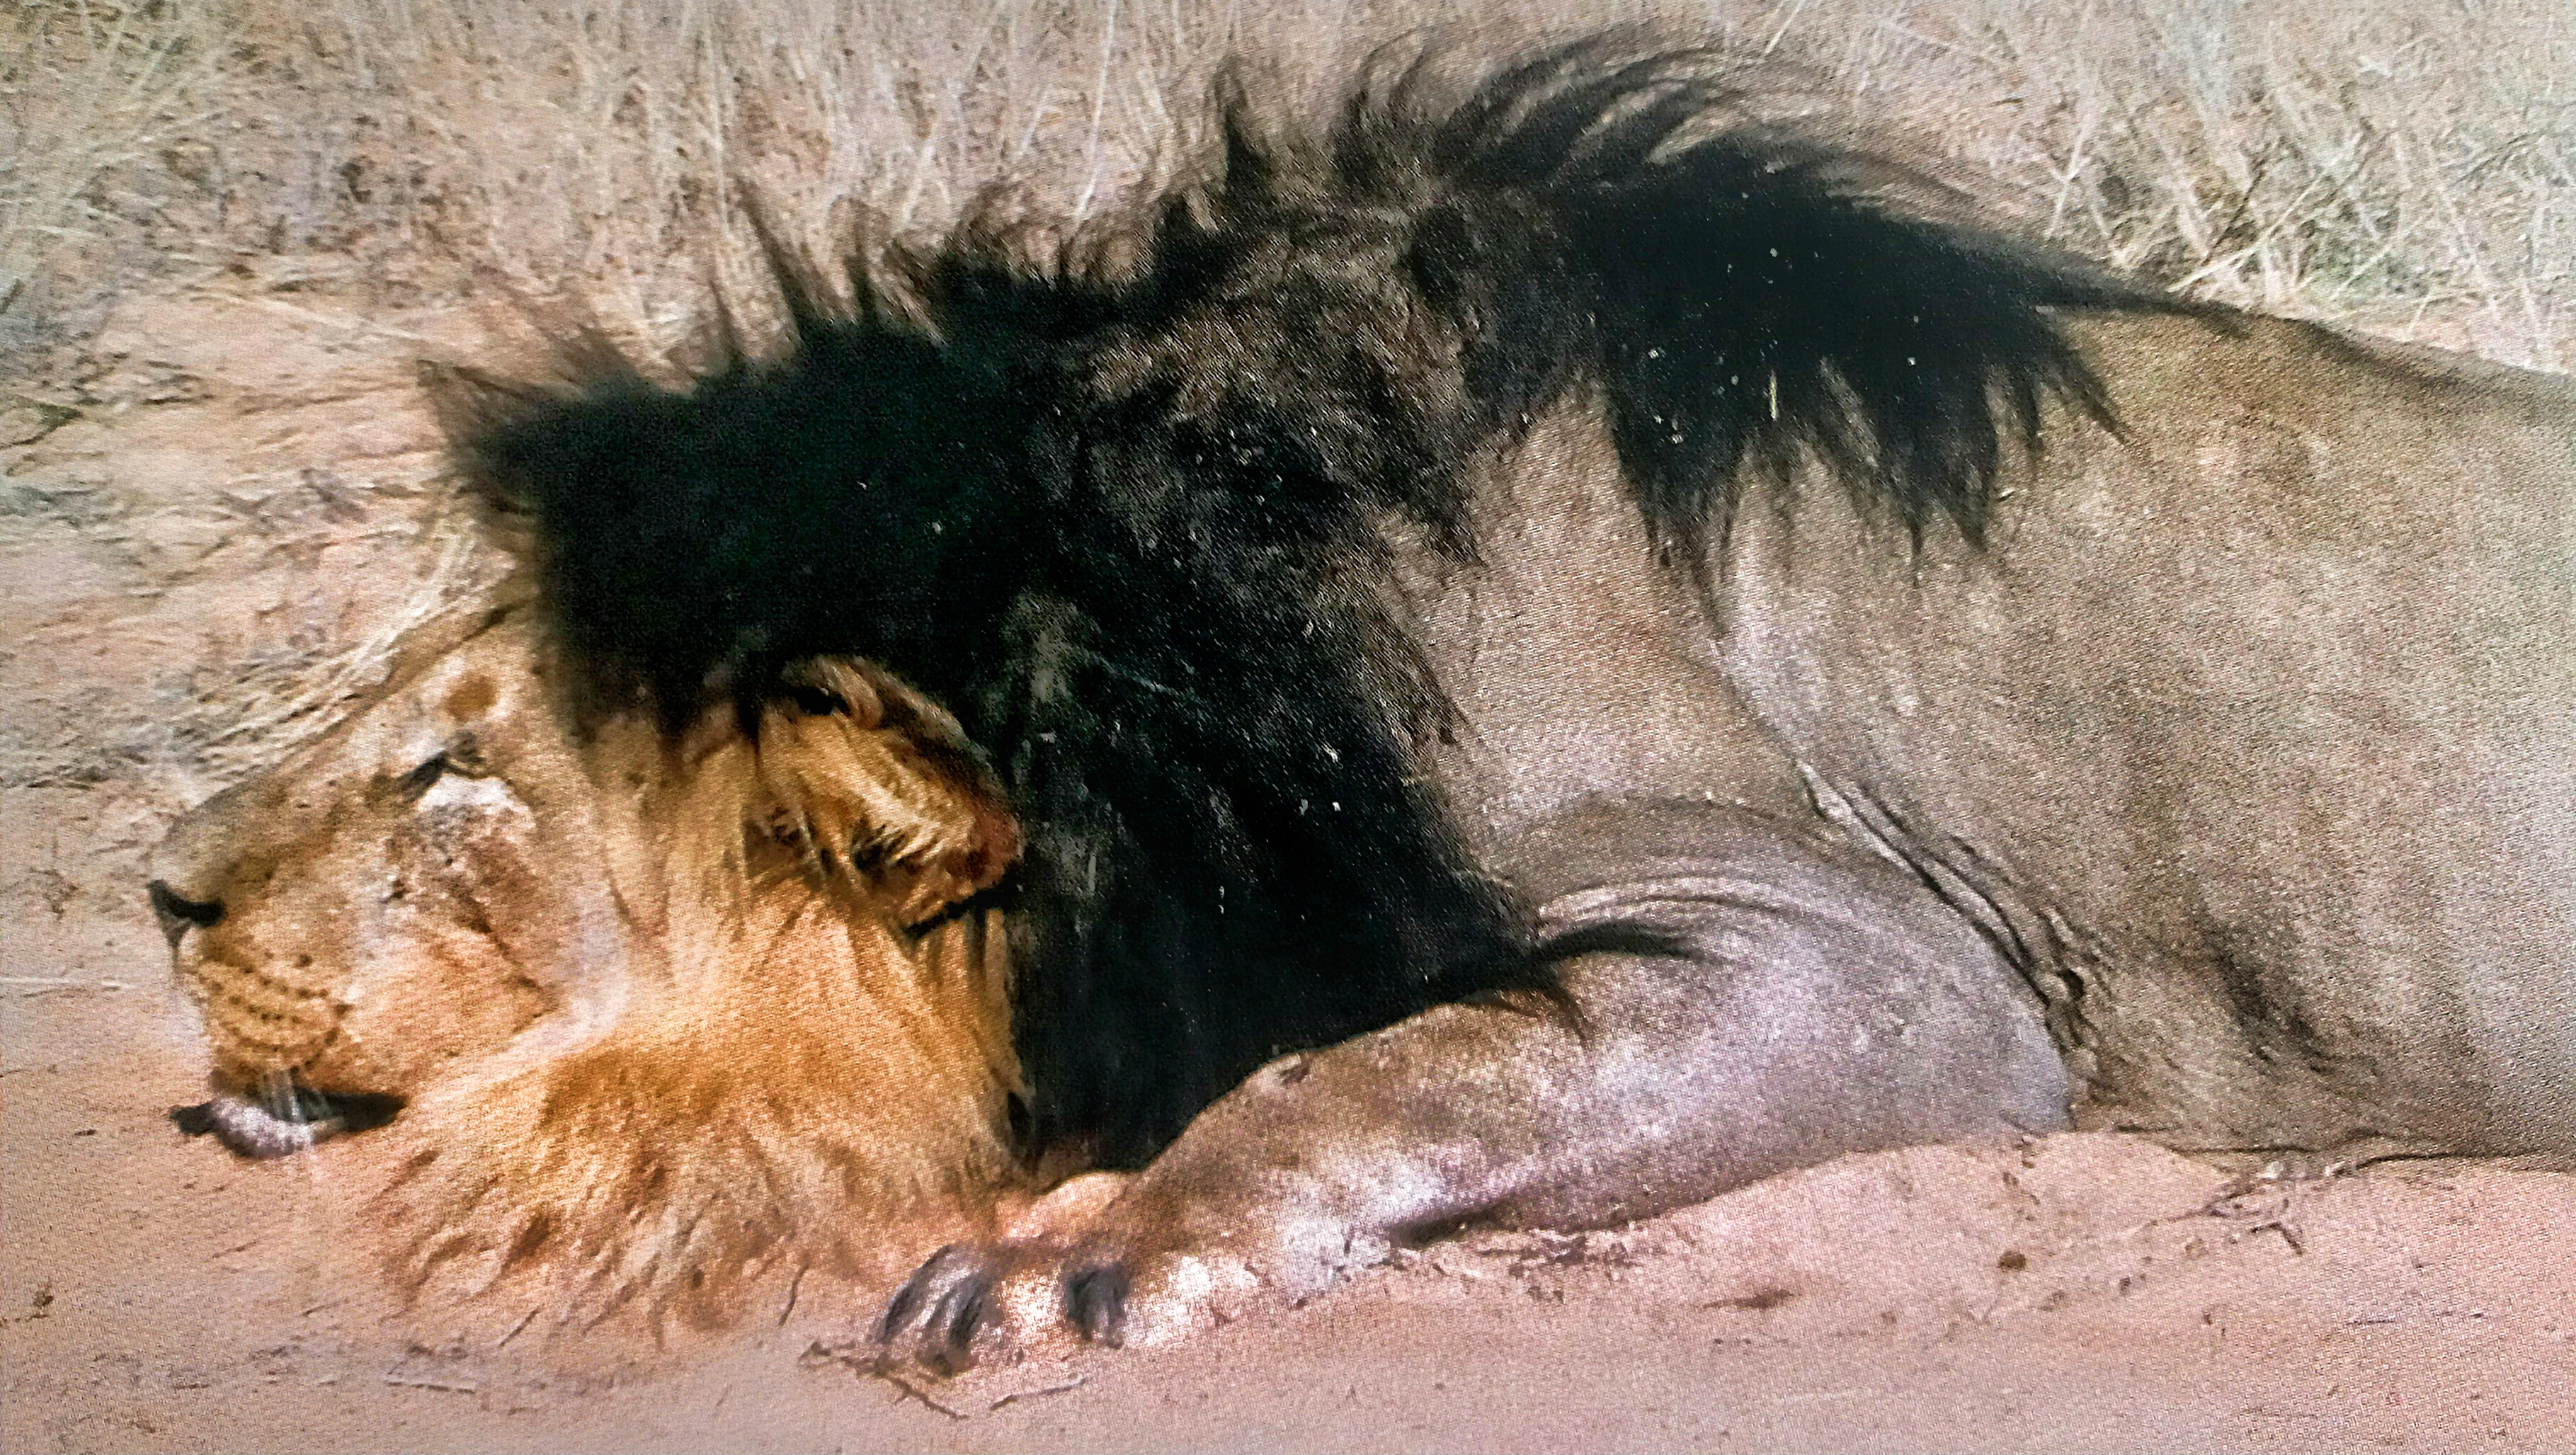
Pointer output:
x,y
657,1012
1595,650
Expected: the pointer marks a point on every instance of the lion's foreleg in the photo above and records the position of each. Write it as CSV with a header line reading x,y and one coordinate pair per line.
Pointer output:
x,y
1738,1018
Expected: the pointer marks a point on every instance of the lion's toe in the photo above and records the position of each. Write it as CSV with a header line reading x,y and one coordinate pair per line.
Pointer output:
x,y
934,1320
1095,1300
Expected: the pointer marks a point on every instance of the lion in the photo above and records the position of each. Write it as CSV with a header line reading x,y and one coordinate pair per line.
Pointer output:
x,y
651,1014
1558,646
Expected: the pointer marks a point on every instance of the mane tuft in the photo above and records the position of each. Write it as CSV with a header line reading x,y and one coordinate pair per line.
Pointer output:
x,y
1744,293
693,541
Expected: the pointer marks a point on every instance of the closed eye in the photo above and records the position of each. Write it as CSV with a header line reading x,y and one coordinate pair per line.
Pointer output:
x,y
425,777
817,701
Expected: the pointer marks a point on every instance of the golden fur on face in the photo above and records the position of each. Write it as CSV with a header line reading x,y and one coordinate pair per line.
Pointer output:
x,y
666,1017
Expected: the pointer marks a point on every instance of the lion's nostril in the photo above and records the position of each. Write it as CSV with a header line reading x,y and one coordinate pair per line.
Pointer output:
x,y
178,913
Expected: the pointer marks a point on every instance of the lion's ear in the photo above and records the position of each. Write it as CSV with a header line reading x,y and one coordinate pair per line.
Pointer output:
x,y
879,790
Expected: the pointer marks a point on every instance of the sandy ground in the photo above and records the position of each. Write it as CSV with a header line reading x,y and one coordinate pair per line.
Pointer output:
x,y
246,498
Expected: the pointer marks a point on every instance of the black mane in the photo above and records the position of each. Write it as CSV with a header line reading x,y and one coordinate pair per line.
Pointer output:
x,y
1130,521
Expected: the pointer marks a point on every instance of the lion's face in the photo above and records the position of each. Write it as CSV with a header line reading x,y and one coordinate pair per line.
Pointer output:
x,y
656,1010
407,895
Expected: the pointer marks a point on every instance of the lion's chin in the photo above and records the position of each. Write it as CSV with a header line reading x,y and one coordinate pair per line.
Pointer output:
x,y
295,1117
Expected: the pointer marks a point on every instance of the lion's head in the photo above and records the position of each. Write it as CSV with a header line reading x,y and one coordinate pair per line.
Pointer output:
x,y
651,1009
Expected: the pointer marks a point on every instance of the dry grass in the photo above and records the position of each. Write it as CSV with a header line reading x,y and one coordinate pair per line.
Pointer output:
x,y
2406,167
100,109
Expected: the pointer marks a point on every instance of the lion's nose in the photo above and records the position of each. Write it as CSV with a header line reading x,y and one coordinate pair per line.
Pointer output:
x,y
178,913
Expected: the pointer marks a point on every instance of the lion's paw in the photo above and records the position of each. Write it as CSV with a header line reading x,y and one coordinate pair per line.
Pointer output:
x,y
971,1303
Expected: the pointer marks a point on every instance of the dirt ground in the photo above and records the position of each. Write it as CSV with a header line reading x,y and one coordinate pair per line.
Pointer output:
x,y
210,522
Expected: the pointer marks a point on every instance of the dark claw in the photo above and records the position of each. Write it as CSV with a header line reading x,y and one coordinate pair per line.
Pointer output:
x,y
1095,1299
960,1314
936,1315
898,1311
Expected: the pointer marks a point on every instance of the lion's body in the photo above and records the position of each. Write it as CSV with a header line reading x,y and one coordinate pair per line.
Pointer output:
x,y
1633,655
2250,737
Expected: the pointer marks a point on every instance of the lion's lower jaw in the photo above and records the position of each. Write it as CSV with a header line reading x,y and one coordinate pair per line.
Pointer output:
x,y
251,1127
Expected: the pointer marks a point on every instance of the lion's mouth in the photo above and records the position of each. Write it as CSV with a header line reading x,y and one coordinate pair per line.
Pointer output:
x,y
289,1118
